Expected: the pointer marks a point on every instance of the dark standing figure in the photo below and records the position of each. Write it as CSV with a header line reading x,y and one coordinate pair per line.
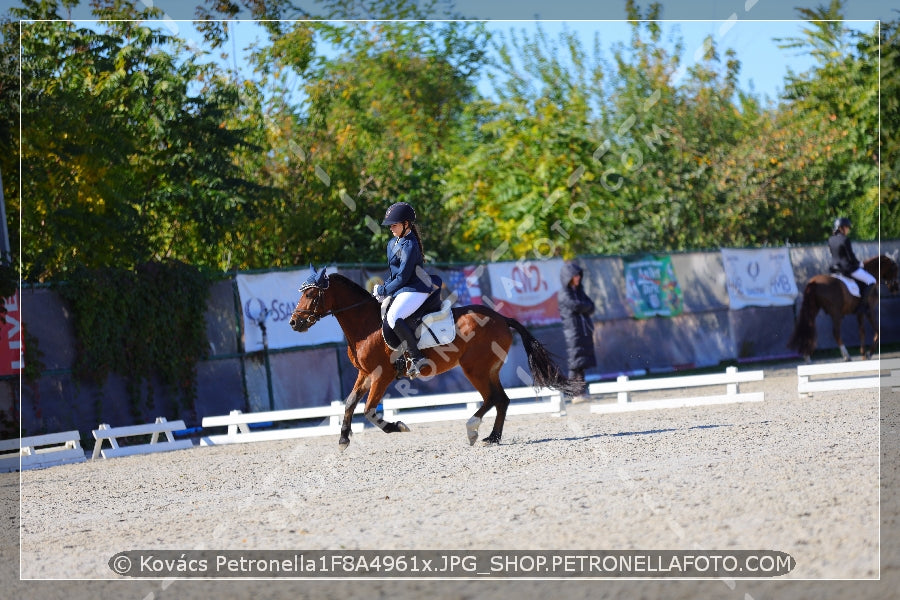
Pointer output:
x,y
576,309
844,261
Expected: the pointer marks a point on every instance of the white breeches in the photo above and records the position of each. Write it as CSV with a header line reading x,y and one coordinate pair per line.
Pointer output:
x,y
862,275
404,304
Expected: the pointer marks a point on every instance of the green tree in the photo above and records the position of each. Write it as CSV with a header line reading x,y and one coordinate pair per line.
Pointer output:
x,y
838,97
889,42
520,188
126,152
376,122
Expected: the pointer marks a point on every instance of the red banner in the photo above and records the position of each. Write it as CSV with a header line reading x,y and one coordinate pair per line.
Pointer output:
x,y
526,291
11,344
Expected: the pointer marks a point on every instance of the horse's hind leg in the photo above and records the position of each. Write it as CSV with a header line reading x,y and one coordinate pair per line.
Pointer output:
x,y
501,401
483,386
474,421
493,396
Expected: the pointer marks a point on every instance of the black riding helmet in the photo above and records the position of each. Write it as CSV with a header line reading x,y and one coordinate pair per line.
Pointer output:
x,y
841,222
399,212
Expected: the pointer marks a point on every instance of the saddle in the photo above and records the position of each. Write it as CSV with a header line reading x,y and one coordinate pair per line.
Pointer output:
x,y
852,285
433,323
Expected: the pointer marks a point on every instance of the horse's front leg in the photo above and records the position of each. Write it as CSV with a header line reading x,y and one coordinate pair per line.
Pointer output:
x,y
836,331
870,314
863,353
380,380
360,387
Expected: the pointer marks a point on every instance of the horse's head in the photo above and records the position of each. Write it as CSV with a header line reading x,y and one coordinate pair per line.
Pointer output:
x,y
314,303
889,274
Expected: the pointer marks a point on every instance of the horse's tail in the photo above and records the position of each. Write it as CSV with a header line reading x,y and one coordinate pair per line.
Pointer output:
x,y
544,369
803,339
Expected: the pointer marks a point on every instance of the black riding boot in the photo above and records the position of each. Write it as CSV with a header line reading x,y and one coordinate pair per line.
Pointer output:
x,y
408,337
863,305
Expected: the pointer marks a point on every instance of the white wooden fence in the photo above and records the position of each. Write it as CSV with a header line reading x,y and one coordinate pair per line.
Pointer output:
x,y
111,434
39,451
410,409
862,374
623,387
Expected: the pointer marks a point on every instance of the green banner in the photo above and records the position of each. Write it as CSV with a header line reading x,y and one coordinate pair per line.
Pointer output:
x,y
651,287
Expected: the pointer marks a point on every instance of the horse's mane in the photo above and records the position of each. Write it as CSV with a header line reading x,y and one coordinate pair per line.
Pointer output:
x,y
876,261
351,285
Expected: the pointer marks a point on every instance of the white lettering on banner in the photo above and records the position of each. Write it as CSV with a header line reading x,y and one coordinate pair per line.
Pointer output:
x,y
11,356
273,296
761,277
526,290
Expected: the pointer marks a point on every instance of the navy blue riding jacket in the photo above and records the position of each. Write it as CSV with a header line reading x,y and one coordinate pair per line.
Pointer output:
x,y
843,260
407,267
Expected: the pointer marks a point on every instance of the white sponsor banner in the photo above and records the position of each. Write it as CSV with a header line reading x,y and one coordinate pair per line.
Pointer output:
x,y
275,295
760,277
527,290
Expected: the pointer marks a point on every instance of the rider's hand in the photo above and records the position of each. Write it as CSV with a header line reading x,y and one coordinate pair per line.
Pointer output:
x,y
378,292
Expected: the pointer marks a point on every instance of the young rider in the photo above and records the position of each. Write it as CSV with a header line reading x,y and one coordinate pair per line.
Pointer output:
x,y
408,282
843,260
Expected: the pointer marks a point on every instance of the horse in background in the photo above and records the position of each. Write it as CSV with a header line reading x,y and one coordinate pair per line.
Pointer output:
x,y
827,293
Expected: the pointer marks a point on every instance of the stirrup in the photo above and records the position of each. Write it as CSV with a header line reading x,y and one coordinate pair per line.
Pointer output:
x,y
413,368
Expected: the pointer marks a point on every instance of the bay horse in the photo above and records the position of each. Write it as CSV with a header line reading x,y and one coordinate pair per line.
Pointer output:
x,y
483,339
825,292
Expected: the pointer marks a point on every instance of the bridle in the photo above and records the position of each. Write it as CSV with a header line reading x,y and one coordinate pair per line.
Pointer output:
x,y
312,314
887,273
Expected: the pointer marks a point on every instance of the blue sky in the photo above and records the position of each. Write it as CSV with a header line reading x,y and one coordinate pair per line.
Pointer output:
x,y
763,64
747,26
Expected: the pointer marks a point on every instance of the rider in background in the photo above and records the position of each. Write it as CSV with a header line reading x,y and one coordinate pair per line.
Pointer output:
x,y
844,261
409,284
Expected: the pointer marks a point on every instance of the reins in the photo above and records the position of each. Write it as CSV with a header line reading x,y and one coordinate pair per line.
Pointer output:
x,y
312,312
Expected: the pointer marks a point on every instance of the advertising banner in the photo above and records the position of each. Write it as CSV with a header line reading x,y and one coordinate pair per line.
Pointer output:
x,y
271,298
651,288
759,277
11,345
526,291
464,284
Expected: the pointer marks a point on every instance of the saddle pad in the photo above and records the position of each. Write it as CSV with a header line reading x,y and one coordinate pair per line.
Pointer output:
x,y
437,328
851,284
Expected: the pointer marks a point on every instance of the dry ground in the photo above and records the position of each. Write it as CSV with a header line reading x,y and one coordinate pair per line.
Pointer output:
x,y
799,475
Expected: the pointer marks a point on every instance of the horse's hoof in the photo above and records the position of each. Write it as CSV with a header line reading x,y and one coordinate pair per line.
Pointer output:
x,y
491,440
343,443
472,426
401,427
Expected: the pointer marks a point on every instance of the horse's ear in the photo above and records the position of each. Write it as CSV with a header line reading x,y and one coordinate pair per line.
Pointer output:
x,y
320,276
312,269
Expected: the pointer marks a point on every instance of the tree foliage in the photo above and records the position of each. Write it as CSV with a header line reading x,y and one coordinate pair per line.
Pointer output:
x,y
137,147
127,147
